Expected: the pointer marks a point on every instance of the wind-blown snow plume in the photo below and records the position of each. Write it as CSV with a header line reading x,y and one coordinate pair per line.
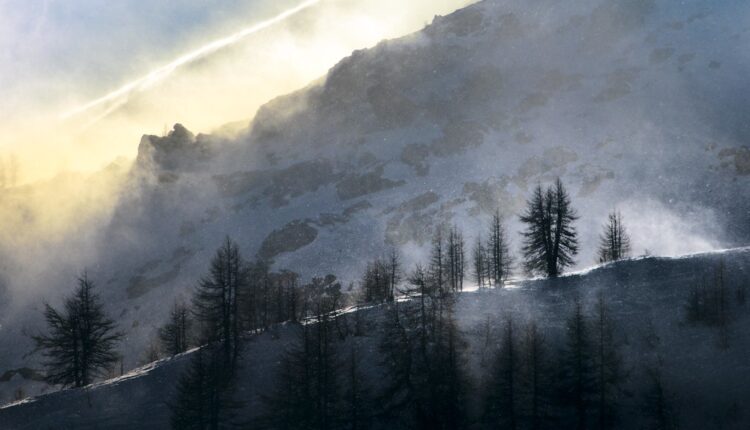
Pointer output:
x,y
120,96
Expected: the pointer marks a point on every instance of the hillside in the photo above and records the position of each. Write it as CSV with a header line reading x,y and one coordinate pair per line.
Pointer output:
x,y
646,298
635,104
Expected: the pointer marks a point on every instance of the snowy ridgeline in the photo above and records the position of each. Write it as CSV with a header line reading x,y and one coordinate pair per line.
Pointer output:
x,y
702,365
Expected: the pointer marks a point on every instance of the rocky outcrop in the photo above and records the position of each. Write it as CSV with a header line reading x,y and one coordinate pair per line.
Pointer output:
x,y
291,237
178,150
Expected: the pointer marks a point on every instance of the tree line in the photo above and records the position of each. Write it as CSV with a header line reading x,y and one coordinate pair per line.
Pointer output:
x,y
423,347
550,244
425,380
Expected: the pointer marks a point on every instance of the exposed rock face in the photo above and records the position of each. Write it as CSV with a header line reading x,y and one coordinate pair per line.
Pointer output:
x,y
356,185
141,283
291,237
739,158
178,150
279,185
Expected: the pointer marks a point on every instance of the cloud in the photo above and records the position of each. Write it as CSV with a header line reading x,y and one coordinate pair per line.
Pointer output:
x,y
660,230
69,67
119,96
79,51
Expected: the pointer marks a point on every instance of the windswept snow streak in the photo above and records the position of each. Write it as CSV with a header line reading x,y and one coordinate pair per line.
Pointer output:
x,y
120,96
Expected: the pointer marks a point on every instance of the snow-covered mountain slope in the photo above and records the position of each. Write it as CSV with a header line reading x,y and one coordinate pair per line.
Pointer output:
x,y
646,299
636,104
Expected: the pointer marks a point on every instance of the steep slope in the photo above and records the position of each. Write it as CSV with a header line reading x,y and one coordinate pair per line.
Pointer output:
x,y
646,298
636,104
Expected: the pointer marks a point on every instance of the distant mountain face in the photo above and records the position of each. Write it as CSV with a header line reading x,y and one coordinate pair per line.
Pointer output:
x,y
635,104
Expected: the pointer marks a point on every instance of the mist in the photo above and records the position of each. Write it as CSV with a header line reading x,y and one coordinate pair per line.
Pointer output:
x,y
68,170
222,87
319,146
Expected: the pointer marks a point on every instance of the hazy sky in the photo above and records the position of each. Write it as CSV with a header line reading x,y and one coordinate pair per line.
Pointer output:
x,y
82,48
58,55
